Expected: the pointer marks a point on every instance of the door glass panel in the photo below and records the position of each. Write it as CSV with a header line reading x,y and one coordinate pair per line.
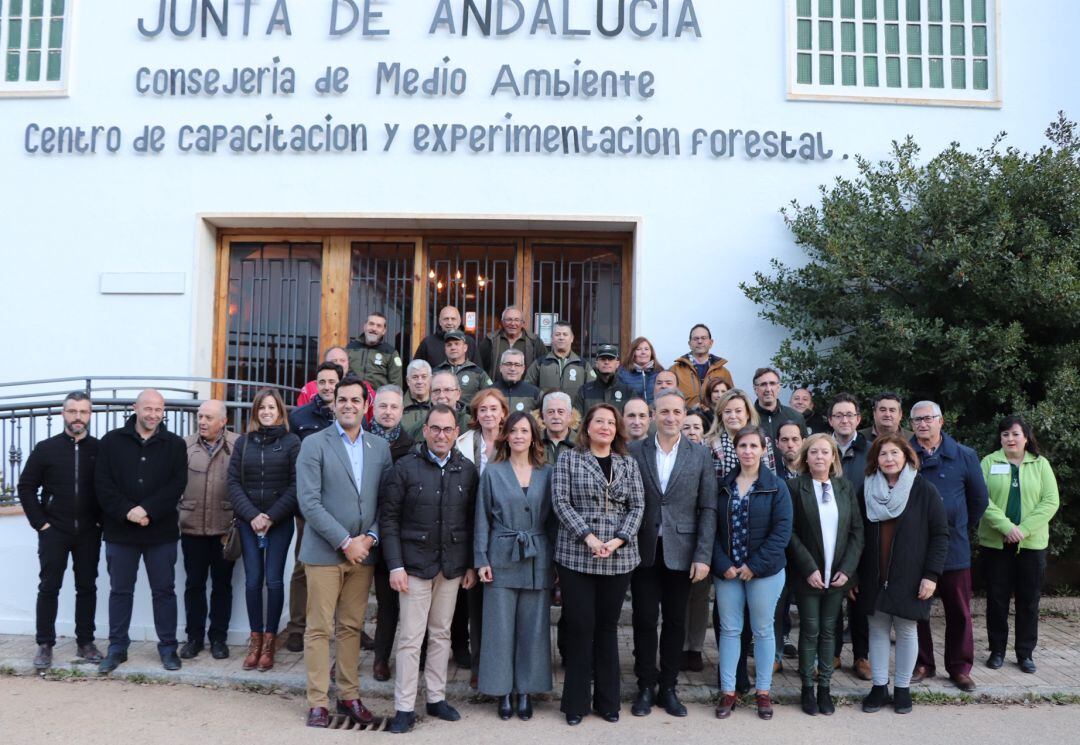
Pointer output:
x,y
381,280
475,276
275,294
581,283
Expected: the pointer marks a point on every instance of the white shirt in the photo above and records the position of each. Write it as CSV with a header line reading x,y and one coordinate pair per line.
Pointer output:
x,y
665,464
830,520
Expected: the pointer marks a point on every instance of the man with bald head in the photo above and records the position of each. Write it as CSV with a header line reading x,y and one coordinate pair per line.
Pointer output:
x,y
432,349
205,516
139,478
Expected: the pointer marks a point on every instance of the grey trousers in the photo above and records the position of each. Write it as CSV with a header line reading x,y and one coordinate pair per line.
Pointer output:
x,y
907,649
516,653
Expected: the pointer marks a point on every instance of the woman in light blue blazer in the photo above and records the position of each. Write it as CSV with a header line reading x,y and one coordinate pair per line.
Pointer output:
x,y
513,549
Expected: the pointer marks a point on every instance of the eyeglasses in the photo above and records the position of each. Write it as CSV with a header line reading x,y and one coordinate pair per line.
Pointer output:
x,y
845,416
446,431
444,390
924,419
513,364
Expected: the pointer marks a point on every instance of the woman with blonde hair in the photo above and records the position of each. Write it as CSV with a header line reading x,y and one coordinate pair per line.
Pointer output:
x,y
487,412
826,543
734,410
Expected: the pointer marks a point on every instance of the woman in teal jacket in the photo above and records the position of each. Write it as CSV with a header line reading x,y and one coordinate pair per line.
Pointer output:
x,y
1013,536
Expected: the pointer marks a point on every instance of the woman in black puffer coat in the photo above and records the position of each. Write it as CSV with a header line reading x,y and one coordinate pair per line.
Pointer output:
x,y
262,488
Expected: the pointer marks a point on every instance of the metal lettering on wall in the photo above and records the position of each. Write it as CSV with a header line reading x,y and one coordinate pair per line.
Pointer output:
x,y
323,133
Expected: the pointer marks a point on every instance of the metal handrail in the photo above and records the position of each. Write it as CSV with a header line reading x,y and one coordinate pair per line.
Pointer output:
x,y
88,383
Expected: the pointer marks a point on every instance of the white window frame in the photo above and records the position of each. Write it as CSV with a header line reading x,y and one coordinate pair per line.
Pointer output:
x,y
924,96
39,88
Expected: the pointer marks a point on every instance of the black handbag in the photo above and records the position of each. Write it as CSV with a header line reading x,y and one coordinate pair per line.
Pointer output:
x,y
231,549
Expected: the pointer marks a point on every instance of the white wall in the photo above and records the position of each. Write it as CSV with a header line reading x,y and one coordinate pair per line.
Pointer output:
x,y
67,219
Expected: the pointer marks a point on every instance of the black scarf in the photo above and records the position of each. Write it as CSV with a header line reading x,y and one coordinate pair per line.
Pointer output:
x,y
390,435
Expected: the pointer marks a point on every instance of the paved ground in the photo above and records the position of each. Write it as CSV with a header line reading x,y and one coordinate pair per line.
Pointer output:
x,y
92,712
1058,658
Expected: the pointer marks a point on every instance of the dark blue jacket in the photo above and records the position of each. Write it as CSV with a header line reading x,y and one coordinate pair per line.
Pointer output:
x,y
955,472
770,524
312,417
640,382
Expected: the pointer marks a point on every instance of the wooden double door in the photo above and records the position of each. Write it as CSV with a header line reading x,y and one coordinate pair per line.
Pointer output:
x,y
284,298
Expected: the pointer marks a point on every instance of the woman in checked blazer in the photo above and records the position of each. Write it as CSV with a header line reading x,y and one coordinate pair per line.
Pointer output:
x,y
599,499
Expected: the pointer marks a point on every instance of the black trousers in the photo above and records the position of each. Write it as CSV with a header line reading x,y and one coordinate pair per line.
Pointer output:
x,y
202,560
1013,574
466,628
54,547
386,620
859,625
591,606
123,563
658,590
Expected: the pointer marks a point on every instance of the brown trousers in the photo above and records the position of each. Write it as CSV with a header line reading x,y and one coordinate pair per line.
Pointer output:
x,y
339,591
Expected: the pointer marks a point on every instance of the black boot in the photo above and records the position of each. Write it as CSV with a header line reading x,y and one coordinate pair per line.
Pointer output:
x,y
524,707
825,703
809,703
642,705
671,703
902,700
875,699
506,707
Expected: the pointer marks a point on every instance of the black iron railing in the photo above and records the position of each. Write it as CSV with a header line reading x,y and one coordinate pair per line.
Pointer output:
x,y
31,411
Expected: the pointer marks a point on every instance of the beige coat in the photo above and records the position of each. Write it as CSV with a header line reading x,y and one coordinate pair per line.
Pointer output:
x,y
205,508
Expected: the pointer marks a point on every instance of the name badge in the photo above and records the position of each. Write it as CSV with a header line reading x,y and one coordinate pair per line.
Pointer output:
x,y
999,469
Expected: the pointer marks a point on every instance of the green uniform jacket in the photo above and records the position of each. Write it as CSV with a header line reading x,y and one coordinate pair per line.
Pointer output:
x,y
566,374
494,344
378,365
413,415
597,391
1038,500
470,377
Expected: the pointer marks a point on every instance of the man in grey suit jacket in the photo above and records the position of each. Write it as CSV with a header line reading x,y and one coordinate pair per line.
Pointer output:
x,y
676,543
339,475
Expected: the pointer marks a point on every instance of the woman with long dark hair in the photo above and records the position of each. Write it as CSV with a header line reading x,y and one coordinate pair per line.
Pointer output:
x,y
1013,537
513,557
599,499
262,489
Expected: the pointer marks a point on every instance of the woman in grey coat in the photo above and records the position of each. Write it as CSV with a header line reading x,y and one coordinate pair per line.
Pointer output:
x,y
513,554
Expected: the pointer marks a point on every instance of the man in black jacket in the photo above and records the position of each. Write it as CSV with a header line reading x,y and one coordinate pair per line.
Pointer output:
x,y
606,388
426,517
140,476
68,521
676,543
771,412
433,348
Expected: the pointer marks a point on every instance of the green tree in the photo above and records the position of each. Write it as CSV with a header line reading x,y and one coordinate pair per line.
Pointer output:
x,y
956,279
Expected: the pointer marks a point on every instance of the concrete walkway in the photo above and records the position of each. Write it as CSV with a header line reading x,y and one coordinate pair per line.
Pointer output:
x,y
1057,657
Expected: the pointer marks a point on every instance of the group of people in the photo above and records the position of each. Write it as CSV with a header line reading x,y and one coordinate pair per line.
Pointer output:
x,y
504,474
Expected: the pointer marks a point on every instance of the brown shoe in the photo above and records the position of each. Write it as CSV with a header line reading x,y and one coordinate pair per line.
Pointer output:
x,y
474,680
777,667
90,652
764,706
724,706
861,668
355,710
380,670
836,663
963,682
269,647
366,642
254,651
318,717
922,672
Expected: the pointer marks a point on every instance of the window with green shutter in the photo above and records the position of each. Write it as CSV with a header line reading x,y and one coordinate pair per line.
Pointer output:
x,y
34,44
916,51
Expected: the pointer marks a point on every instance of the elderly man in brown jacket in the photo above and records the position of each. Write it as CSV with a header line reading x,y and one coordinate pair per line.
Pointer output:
x,y
205,517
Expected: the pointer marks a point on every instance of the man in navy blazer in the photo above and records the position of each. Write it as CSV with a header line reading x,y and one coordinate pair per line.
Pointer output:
x,y
340,473
676,543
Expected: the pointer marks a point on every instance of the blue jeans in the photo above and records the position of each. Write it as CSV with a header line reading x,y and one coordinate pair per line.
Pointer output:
x,y
732,596
122,561
265,566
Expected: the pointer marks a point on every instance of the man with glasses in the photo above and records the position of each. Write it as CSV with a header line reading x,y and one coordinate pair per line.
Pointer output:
x,y
954,469
512,335
446,391
887,412
56,490
844,418
522,395
426,518
771,412
699,363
